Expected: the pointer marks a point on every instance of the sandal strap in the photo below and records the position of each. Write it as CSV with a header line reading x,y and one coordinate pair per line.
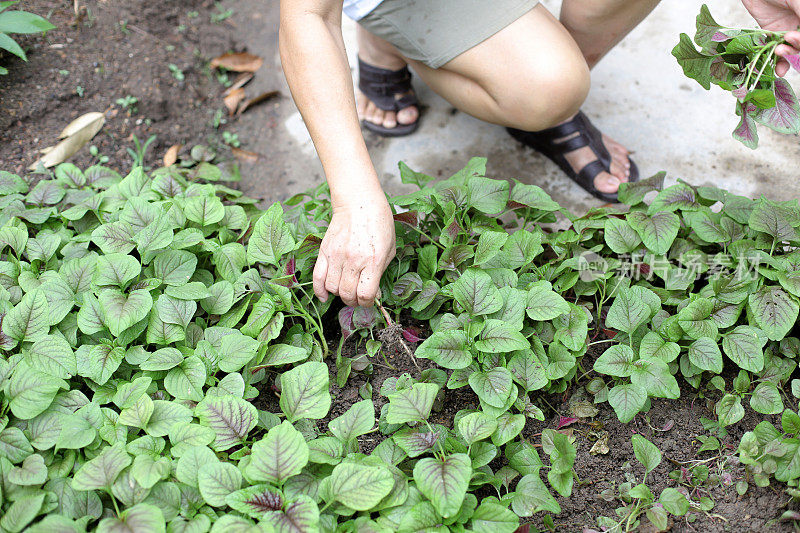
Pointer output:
x,y
389,90
552,144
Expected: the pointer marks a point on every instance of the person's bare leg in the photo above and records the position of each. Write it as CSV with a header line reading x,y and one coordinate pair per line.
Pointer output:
x,y
598,26
530,76
379,53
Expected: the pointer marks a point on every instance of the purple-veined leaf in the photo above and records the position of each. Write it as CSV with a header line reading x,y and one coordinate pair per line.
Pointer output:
x,y
785,116
230,417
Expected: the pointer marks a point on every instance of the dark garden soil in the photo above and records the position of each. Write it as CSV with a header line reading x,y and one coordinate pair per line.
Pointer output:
x,y
115,49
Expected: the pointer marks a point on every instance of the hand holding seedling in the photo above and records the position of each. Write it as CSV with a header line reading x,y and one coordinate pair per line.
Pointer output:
x,y
358,245
750,63
779,15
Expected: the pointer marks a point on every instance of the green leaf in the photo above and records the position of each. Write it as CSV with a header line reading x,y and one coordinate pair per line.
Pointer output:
x,y
476,292
444,481
101,472
476,426
230,417
620,236
448,349
298,516
491,517
627,312
30,392
360,487
281,454
489,244
358,420
116,269
508,427
236,351
744,346
654,376
142,517
704,354
54,356
271,238
627,400
531,496
729,410
543,303
22,511
204,210
673,501
186,381
527,370
774,311
487,195
411,405
305,392
653,346
773,219
657,231
174,267
646,452
216,480
492,386
616,361
122,311
148,470
29,319
165,415
766,399
499,337
101,363
694,64
32,471
23,22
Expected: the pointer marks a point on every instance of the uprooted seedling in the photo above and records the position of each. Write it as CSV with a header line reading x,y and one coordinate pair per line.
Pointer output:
x,y
743,62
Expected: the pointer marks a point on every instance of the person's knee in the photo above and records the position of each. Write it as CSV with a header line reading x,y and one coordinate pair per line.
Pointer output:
x,y
547,98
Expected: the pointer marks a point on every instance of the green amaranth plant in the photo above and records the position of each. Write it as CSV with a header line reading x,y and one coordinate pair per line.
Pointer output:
x,y
742,61
18,22
638,499
141,316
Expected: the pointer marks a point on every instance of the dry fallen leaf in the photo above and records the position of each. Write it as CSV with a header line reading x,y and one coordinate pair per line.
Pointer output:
x,y
79,132
244,156
233,99
261,98
171,155
583,409
601,446
238,62
240,81
81,122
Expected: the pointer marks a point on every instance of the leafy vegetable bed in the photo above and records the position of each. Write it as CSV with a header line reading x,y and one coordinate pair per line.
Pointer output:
x,y
166,367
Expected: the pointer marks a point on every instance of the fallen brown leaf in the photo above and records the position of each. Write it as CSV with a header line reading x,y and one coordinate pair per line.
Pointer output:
x,y
233,99
171,155
240,81
260,99
601,446
244,156
75,136
238,62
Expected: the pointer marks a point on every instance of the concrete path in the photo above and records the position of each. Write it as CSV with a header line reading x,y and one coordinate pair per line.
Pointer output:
x,y
640,97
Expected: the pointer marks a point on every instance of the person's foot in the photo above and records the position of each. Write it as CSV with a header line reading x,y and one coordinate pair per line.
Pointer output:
x,y
607,182
367,110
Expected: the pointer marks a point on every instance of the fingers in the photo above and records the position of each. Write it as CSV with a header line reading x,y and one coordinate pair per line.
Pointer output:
x,y
368,285
785,53
320,275
334,275
349,284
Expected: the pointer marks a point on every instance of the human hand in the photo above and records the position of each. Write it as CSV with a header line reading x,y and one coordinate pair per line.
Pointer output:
x,y
779,15
357,247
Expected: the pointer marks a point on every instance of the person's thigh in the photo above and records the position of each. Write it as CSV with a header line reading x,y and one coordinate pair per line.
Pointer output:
x,y
530,75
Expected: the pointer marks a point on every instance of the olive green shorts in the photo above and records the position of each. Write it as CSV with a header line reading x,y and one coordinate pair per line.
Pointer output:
x,y
436,31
